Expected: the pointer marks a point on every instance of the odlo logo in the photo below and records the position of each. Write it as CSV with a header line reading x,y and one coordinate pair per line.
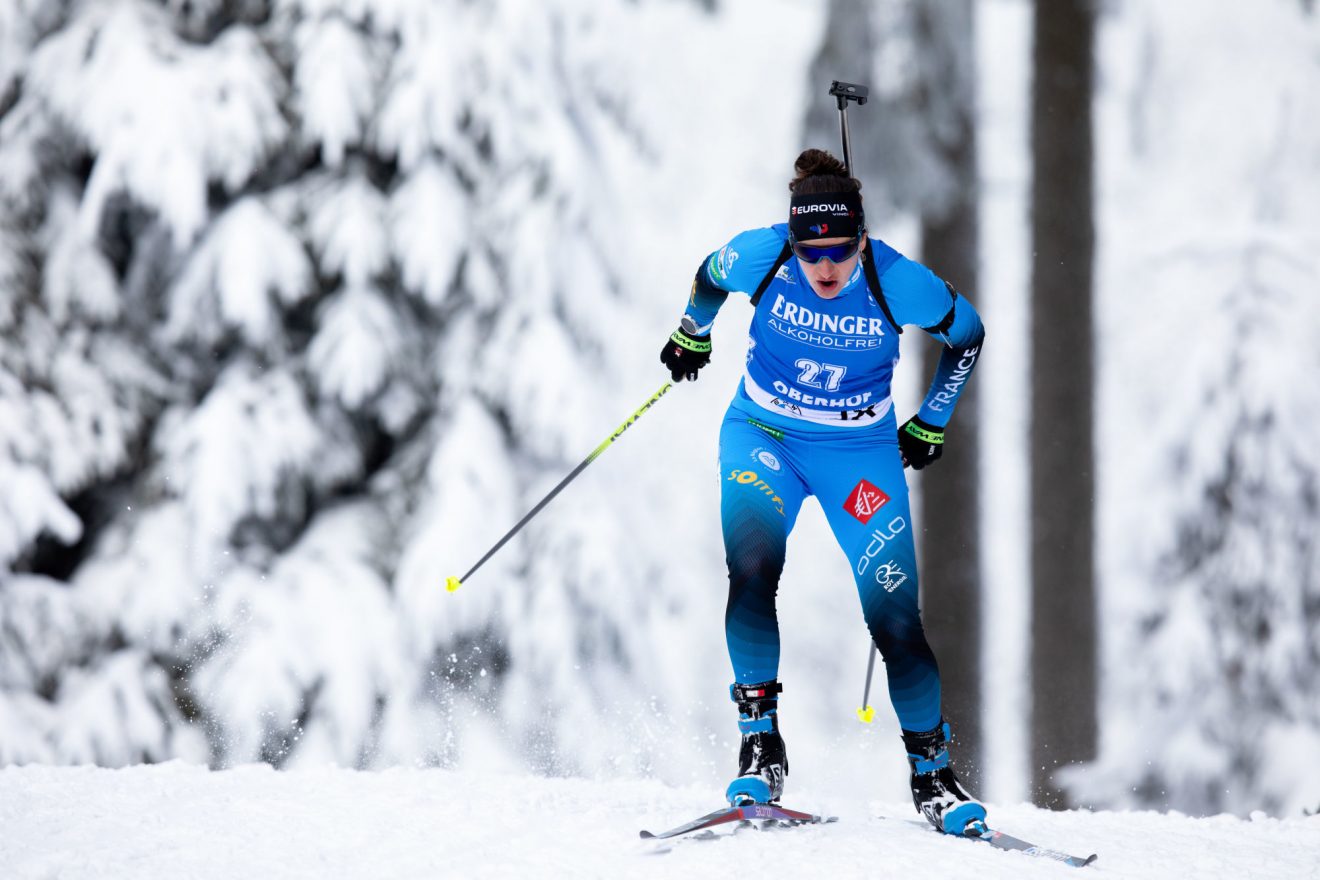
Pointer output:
x,y
751,478
865,500
880,539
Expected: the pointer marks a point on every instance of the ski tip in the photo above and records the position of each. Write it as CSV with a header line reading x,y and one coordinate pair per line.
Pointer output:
x,y
646,835
1089,859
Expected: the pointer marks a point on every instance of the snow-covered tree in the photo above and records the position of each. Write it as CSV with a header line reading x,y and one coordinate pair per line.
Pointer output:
x,y
289,293
1209,472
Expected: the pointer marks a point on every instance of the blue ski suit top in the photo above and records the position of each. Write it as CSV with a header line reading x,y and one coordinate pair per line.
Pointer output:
x,y
813,416
824,360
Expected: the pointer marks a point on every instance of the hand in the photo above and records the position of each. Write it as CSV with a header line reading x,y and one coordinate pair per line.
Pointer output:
x,y
685,353
920,443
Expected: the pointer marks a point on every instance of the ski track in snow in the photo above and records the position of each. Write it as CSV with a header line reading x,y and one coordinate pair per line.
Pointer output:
x,y
179,821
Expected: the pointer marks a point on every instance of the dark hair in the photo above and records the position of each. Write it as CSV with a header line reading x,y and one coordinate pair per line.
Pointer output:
x,y
819,172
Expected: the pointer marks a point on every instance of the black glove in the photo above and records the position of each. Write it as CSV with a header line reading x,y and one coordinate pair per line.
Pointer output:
x,y
920,443
685,353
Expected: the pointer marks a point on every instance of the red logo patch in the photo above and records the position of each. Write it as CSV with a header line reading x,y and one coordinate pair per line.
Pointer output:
x,y
865,500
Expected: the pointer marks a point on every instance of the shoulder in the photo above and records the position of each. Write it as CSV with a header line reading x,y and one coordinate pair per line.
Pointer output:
x,y
744,261
916,295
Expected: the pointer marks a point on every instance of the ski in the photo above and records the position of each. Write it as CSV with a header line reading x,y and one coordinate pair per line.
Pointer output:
x,y
1000,840
1007,842
739,814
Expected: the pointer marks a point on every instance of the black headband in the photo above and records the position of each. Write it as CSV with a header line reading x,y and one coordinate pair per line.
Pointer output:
x,y
826,215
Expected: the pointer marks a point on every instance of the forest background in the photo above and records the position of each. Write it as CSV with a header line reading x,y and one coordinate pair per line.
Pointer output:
x,y
305,302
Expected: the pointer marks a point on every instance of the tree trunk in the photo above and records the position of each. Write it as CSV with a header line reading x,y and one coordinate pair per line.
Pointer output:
x,y
950,502
1063,631
950,560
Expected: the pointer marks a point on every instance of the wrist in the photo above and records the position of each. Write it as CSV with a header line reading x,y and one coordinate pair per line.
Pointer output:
x,y
690,326
690,342
923,430
931,418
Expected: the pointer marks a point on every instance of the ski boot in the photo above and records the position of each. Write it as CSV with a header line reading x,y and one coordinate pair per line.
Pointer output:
x,y
762,759
936,791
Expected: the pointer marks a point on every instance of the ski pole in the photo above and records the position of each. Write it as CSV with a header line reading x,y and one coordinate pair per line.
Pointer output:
x,y
453,583
844,92
866,713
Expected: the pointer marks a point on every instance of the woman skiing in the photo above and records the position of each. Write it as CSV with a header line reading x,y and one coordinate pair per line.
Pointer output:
x,y
813,416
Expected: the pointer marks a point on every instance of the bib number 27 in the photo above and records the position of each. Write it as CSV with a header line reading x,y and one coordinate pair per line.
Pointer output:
x,y
811,371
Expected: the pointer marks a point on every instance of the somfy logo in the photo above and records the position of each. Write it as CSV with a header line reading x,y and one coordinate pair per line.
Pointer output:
x,y
752,479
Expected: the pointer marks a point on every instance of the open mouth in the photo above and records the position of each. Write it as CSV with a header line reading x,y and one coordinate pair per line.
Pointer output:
x,y
829,285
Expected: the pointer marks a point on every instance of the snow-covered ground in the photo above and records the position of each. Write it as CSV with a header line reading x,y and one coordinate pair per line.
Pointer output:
x,y
181,821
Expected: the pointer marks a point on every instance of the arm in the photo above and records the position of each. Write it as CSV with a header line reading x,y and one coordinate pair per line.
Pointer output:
x,y
705,299
922,298
739,265
918,296
963,336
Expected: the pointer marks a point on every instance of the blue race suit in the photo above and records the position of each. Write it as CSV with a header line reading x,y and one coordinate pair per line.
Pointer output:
x,y
813,416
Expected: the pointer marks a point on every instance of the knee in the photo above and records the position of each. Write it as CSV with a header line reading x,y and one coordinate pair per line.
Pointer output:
x,y
759,561
899,634
754,546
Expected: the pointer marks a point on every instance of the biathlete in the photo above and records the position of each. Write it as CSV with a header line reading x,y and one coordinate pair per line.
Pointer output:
x,y
813,416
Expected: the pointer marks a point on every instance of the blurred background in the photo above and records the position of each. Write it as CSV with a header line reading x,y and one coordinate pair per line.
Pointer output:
x,y
305,302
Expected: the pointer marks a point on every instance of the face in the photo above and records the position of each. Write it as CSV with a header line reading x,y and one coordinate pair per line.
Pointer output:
x,y
827,278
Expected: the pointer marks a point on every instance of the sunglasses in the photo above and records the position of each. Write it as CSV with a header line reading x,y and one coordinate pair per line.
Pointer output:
x,y
835,253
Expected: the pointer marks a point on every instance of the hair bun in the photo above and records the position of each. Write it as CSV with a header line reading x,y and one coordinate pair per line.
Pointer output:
x,y
813,162
818,171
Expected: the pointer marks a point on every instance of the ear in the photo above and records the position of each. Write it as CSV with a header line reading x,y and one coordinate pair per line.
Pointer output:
x,y
865,241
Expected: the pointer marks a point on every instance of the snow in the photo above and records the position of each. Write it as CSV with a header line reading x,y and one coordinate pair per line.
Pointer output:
x,y
182,821
163,116
225,475
306,302
229,279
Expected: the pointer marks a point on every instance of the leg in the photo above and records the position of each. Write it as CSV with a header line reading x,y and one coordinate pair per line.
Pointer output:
x,y
760,497
862,490
864,495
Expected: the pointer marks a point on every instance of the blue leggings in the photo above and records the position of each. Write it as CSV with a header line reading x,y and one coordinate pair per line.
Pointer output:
x,y
767,468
